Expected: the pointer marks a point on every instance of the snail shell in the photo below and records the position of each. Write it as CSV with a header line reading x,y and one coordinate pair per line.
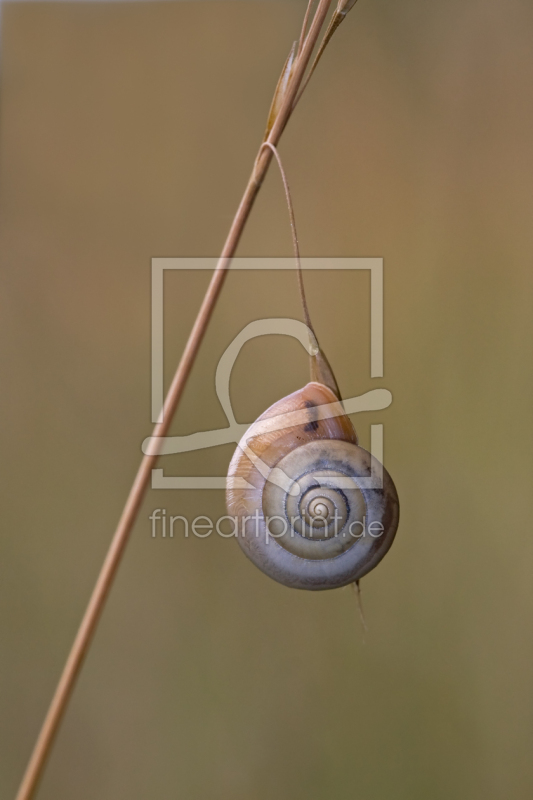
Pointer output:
x,y
308,517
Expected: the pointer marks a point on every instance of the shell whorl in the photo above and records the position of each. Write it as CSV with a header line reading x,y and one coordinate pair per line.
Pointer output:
x,y
303,517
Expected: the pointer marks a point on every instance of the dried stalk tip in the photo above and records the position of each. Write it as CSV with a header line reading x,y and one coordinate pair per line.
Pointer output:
x,y
339,14
321,372
281,88
304,27
344,6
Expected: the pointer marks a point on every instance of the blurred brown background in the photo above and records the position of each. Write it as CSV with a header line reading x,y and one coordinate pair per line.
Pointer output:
x,y
128,131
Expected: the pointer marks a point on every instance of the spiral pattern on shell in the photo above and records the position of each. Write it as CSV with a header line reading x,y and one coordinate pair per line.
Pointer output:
x,y
310,515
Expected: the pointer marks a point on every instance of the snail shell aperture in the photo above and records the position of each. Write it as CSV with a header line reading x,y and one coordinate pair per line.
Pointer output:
x,y
312,516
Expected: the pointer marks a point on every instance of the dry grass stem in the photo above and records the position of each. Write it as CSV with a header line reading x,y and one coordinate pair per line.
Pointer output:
x,y
286,93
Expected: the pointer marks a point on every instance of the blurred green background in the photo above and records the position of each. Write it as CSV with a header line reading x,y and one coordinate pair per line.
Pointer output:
x,y
128,131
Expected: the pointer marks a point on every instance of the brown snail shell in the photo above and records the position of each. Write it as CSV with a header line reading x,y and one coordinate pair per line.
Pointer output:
x,y
308,517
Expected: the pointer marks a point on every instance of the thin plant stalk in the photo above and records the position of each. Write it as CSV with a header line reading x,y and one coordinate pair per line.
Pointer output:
x,y
305,23
142,479
319,365
339,15
295,244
